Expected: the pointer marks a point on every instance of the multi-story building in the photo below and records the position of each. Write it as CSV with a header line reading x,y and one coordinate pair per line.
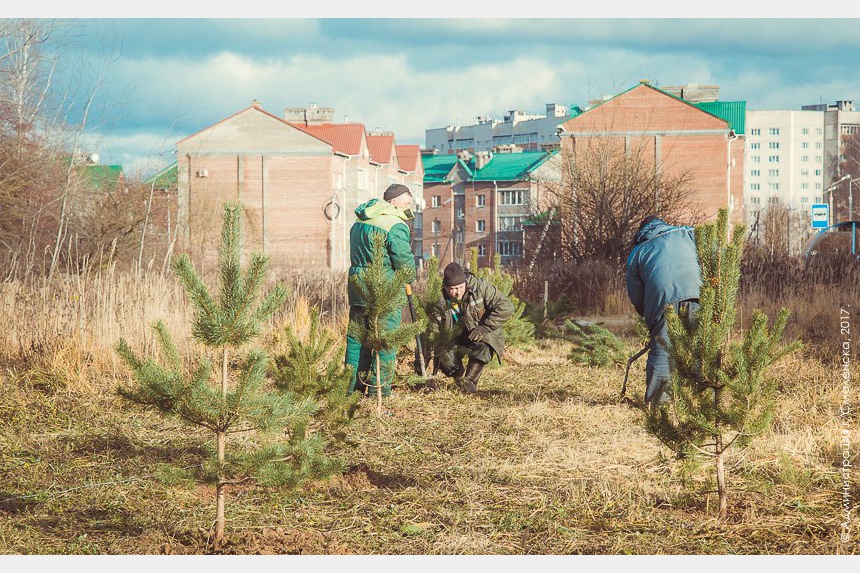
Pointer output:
x,y
480,201
528,131
784,165
299,179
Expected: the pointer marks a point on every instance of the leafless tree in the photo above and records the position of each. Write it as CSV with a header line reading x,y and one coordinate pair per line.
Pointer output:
x,y
606,190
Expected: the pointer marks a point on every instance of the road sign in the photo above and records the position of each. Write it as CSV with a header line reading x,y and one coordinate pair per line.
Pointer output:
x,y
820,215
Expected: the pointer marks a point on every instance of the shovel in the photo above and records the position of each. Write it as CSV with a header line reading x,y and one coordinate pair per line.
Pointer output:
x,y
419,351
630,362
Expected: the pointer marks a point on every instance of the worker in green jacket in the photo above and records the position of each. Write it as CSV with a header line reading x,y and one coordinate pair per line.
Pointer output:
x,y
388,217
474,312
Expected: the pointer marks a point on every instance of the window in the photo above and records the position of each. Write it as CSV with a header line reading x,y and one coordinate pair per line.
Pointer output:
x,y
434,250
804,131
481,226
804,186
510,249
817,145
773,131
755,186
773,186
755,145
773,199
804,199
461,214
818,159
818,199
755,200
804,145
512,197
510,223
437,226
755,173
756,159
482,250
773,145
804,172
437,201
818,172
755,131
363,180
773,158
773,172
804,158
819,131
480,200
817,186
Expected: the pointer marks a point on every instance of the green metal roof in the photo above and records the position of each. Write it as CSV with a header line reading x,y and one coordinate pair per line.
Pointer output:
x,y
511,166
102,177
166,178
734,112
437,167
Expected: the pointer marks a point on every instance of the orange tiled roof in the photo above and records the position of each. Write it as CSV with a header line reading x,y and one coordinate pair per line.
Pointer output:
x,y
381,148
408,157
344,138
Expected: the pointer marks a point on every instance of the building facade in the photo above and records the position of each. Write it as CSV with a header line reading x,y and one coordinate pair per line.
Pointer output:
x,y
299,179
480,201
531,132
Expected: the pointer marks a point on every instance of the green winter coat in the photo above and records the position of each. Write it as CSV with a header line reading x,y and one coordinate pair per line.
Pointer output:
x,y
483,305
379,216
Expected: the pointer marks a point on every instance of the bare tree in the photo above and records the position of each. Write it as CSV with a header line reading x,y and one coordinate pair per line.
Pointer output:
x,y
606,189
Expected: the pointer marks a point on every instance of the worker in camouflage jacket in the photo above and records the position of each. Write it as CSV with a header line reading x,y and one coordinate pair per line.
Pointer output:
x,y
662,270
473,311
388,217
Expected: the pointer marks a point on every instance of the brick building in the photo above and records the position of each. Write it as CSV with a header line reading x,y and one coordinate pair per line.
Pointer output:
x,y
677,135
480,201
299,178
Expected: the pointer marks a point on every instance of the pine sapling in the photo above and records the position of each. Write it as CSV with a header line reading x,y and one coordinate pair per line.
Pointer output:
x,y
721,395
593,345
238,402
383,291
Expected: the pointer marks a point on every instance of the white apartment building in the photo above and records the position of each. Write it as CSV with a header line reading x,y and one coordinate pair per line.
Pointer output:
x,y
784,163
531,132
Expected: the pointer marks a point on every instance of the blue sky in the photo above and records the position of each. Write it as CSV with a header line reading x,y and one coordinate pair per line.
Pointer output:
x,y
161,80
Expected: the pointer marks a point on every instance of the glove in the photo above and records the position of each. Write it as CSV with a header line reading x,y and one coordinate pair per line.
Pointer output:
x,y
478,333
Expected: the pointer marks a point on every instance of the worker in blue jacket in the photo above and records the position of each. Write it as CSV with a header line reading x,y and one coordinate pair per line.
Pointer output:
x,y
662,270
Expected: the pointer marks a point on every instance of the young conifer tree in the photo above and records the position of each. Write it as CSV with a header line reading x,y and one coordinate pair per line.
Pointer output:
x,y
313,366
519,331
593,345
237,401
384,294
721,395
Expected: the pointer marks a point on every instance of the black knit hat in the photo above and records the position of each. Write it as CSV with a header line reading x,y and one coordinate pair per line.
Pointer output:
x,y
454,275
395,190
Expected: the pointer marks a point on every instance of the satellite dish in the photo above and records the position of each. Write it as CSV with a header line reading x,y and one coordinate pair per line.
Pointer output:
x,y
93,158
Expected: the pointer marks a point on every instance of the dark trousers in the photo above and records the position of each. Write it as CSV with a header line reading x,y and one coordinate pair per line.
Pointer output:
x,y
451,362
363,361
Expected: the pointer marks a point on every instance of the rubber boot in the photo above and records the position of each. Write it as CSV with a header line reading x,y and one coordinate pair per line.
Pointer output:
x,y
473,374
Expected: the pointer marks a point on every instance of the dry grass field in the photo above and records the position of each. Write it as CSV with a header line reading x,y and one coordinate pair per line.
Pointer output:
x,y
544,459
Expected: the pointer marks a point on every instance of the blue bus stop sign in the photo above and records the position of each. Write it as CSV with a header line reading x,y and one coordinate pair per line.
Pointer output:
x,y
820,215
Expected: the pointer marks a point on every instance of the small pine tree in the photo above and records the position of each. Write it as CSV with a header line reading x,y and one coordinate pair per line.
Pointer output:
x,y
383,294
429,306
238,402
312,368
593,345
519,331
721,396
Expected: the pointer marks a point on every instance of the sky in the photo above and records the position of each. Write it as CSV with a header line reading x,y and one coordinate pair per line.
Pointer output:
x,y
156,81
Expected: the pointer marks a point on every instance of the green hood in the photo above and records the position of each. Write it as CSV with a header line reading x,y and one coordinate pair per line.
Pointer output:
x,y
375,208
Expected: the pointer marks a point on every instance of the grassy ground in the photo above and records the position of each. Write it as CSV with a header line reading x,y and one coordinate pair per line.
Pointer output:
x,y
543,460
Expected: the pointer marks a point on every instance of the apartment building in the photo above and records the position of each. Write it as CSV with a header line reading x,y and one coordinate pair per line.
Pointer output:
x,y
528,131
299,178
481,200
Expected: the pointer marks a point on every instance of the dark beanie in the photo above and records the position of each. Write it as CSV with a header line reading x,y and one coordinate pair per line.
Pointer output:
x,y
454,275
395,190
